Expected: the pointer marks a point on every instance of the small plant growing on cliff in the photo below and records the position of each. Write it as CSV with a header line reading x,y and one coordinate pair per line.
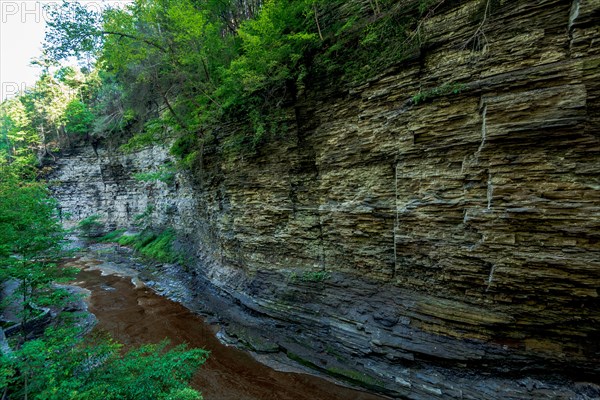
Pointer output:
x,y
153,245
143,220
164,174
91,226
433,93
111,236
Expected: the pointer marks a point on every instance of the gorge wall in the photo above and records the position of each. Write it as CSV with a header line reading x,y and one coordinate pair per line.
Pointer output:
x,y
439,249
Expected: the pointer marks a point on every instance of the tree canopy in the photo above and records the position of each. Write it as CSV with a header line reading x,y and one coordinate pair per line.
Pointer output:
x,y
61,362
187,66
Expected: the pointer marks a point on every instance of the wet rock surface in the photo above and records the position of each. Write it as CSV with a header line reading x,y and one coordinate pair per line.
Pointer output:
x,y
11,319
445,249
135,315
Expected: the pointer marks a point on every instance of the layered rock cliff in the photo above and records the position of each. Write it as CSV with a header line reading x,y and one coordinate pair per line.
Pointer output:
x,y
445,248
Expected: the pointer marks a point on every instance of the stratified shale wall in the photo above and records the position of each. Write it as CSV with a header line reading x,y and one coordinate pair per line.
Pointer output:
x,y
444,249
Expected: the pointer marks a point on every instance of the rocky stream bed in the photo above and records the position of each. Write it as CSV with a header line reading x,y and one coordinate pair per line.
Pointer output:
x,y
137,304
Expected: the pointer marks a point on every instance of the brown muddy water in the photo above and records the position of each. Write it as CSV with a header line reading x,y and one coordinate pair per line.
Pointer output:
x,y
136,316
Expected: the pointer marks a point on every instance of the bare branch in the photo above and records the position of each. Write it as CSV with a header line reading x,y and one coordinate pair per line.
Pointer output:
x,y
148,42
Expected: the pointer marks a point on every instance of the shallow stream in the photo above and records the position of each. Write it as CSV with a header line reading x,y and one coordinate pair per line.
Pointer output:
x,y
136,315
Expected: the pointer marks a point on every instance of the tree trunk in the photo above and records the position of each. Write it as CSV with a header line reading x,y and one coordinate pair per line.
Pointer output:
x,y
317,20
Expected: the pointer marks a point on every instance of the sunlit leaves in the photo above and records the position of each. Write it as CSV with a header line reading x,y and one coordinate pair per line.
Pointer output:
x,y
73,30
15,131
78,117
202,61
63,365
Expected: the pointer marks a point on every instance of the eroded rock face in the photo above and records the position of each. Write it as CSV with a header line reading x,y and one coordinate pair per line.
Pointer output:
x,y
448,249
104,181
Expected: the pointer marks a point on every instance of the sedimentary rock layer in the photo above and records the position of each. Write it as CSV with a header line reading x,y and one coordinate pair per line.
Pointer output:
x,y
439,249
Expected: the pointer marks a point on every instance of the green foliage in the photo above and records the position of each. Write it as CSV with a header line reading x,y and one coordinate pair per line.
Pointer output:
x,y
110,237
153,245
78,118
187,148
165,173
58,110
28,225
30,238
273,45
361,50
90,226
64,365
161,248
16,133
79,27
180,68
444,90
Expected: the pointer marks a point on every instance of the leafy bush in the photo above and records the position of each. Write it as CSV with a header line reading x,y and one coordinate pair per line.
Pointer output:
x,y
91,226
164,174
63,365
111,237
79,118
153,245
31,240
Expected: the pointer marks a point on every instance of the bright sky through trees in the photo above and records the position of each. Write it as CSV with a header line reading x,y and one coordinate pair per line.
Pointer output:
x,y
22,28
21,33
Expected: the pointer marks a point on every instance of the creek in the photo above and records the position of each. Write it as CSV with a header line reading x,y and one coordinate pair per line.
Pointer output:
x,y
136,315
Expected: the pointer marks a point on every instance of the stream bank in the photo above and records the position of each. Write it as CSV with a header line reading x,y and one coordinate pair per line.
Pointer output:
x,y
134,314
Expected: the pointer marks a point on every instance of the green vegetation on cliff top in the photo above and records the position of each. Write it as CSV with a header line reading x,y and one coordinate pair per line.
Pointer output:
x,y
185,70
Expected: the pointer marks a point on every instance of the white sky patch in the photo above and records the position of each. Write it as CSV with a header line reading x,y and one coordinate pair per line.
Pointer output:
x,y
22,31
22,28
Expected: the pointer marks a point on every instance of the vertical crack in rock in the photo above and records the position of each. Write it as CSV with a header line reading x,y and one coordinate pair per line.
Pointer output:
x,y
483,131
573,14
490,187
490,277
490,191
